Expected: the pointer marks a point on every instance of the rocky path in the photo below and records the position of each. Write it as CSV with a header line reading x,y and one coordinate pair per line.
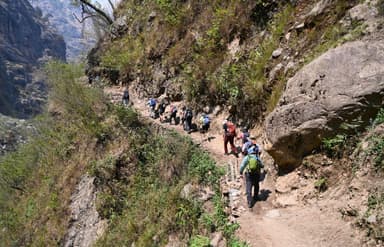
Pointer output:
x,y
277,219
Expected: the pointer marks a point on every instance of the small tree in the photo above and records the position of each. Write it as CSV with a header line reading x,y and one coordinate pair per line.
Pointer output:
x,y
94,11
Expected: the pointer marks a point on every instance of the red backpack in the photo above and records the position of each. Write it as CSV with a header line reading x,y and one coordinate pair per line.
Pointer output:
x,y
231,128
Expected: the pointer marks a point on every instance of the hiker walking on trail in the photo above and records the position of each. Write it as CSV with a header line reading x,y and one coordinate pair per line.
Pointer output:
x,y
247,145
229,136
244,135
125,97
187,117
173,114
161,109
251,165
205,123
152,106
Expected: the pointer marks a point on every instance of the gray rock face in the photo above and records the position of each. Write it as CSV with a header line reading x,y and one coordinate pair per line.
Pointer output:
x,y
25,41
343,87
79,37
85,225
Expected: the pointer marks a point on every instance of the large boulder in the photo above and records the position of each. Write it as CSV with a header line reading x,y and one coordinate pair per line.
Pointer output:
x,y
343,87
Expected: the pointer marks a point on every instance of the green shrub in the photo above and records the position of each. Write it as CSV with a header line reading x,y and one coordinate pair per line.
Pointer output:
x,y
380,7
376,150
82,107
375,201
204,168
237,243
15,167
376,146
334,146
199,241
375,205
127,116
151,186
171,10
242,82
124,54
321,184
379,117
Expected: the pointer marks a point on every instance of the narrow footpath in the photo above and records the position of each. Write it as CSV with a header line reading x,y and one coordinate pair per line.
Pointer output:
x,y
295,224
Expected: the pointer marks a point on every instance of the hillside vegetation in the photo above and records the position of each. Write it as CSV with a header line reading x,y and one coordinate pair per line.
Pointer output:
x,y
139,173
220,52
154,187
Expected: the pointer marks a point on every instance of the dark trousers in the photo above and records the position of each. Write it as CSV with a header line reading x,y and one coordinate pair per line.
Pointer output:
x,y
252,180
205,127
172,116
188,123
229,139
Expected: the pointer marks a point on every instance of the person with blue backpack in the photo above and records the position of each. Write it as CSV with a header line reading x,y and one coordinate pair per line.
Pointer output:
x,y
152,103
205,123
251,165
152,106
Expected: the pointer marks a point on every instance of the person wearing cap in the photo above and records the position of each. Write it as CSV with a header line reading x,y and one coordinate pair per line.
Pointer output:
x,y
252,177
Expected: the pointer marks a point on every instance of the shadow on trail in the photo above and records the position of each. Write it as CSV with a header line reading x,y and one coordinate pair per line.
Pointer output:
x,y
263,195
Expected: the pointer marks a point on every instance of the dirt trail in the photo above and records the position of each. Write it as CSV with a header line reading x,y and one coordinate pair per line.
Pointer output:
x,y
270,224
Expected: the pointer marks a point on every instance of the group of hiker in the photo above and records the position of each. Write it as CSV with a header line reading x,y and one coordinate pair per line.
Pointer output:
x,y
251,164
173,116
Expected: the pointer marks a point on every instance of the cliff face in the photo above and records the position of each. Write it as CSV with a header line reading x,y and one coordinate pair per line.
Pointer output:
x,y
79,37
25,41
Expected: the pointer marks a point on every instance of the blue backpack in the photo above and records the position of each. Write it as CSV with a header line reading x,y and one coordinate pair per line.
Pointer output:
x,y
152,102
189,113
206,120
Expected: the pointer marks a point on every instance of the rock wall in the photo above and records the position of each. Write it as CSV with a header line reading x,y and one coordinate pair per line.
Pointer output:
x,y
79,37
25,42
340,91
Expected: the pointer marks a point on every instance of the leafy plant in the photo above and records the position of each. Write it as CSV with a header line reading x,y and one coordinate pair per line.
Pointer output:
x,y
334,146
199,241
203,167
237,243
379,117
321,184
171,10
375,205
376,149
376,145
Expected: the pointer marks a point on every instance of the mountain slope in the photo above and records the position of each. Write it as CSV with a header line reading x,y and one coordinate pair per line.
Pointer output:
x,y
79,37
25,41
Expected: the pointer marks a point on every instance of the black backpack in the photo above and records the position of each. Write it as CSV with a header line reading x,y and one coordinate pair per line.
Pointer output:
x,y
126,95
188,113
